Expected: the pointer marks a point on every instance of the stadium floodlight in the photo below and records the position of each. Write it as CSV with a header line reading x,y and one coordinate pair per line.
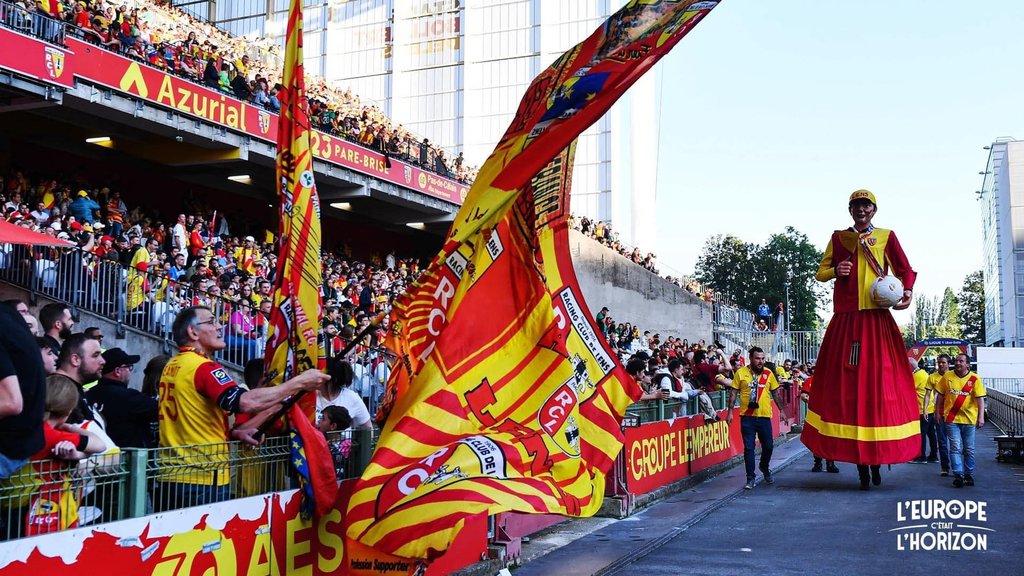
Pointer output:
x,y
241,178
342,205
416,225
98,139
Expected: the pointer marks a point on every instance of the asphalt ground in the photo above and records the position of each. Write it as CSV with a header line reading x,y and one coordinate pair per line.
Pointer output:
x,y
807,523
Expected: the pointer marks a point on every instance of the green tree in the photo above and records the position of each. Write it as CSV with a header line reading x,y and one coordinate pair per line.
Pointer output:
x,y
725,266
971,299
947,323
922,320
789,257
745,273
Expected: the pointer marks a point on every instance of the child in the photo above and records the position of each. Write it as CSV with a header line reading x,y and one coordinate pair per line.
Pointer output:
x,y
335,419
56,505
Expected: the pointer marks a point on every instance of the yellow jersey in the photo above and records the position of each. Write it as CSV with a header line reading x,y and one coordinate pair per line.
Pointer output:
x,y
921,382
193,427
757,389
959,397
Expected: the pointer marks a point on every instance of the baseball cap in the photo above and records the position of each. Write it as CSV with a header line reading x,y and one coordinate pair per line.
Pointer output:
x,y
76,226
250,239
83,193
863,195
115,357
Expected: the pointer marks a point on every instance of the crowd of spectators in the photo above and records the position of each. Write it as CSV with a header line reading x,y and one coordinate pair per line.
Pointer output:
x,y
176,42
148,266
698,366
156,266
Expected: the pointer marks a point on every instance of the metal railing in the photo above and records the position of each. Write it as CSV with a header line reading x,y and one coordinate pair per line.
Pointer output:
x,y
32,22
52,495
1014,386
145,300
654,410
801,346
1006,411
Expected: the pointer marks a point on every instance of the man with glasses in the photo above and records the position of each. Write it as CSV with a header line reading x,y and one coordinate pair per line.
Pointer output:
x,y
128,412
961,404
196,395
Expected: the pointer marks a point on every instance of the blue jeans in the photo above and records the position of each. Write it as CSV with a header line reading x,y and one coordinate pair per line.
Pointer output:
x,y
761,427
940,428
928,436
961,448
174,495
9,466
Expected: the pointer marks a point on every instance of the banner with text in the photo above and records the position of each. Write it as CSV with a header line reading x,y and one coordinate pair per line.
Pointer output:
x,y
257,536
658,453
37,59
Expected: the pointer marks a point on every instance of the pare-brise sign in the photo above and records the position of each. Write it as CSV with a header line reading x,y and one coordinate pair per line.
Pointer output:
x,y
658,453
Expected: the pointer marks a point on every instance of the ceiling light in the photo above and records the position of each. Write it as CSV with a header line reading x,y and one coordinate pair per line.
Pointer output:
x,y
243,178
98,139
342,205
416,225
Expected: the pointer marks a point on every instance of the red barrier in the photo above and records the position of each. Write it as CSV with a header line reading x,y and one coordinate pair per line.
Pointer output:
x,y
658,453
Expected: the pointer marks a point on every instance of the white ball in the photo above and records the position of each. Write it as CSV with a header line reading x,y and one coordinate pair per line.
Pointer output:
x,y
887,291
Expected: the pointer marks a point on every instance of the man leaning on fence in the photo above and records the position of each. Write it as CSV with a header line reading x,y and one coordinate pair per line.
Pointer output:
x,y
196,394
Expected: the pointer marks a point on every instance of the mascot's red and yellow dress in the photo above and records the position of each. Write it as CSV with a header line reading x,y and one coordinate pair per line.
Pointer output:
x,y
864,406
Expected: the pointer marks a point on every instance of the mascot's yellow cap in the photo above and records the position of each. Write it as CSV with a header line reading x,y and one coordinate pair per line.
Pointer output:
x,y
863,195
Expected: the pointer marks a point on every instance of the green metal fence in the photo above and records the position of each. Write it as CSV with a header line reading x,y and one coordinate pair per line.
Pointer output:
x,y
654,410
48,495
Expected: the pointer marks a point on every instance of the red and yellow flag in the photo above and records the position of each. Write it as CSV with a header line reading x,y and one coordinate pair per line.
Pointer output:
x,y
505,396
292,344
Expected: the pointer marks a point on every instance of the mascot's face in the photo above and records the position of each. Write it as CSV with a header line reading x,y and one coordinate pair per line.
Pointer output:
x,y
862,212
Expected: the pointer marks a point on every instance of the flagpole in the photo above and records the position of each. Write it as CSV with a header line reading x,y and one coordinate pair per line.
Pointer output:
x,y
291,400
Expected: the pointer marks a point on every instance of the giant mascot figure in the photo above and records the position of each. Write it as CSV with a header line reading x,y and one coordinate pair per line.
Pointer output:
x,y
864,407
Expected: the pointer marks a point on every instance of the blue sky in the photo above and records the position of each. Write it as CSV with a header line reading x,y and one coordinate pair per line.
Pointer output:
x,y
773,112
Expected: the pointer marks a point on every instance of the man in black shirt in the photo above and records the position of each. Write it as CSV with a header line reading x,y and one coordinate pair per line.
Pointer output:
x,y
129,414
22,393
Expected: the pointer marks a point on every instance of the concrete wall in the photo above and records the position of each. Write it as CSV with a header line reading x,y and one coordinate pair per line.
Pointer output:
x,y
132,341
633,294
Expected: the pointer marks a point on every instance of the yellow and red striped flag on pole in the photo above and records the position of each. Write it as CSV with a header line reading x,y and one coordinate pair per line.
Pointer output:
x,y
505,397
292,342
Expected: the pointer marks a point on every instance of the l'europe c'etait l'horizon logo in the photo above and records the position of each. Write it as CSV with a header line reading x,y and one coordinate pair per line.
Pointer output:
x,y
941,525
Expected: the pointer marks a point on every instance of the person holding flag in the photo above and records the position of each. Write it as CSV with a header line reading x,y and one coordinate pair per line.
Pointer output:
x,y
864,407
961,403
196,394
293,345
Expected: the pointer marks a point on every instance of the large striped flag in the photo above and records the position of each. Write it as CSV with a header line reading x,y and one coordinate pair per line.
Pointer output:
x,y
292,343
505,397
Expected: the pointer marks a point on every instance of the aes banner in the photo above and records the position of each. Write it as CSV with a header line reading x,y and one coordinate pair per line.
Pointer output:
x,y
256,536
658,453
